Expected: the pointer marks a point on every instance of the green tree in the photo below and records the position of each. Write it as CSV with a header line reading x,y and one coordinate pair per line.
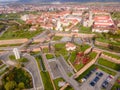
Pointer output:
x,y
118,32
1,87
10,85
21,85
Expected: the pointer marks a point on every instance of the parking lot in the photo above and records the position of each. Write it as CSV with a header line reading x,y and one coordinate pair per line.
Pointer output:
x,y
86,85
65,65
55,72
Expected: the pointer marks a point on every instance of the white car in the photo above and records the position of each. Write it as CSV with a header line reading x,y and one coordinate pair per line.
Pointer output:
x,y
109,78
83,80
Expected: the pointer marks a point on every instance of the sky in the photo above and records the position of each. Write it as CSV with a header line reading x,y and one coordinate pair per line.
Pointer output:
x,y
7,0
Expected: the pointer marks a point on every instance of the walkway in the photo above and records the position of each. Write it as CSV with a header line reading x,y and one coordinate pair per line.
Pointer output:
x,y
34,69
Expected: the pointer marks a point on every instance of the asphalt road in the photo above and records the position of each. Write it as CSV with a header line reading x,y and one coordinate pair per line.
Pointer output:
x,y
65,65
68,79
33,68
30,66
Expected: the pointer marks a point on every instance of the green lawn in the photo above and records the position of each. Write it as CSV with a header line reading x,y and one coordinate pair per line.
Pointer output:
x,y
49,56
22,59
109,64
69,74
79,66
17,15
2,26
56,81
46,81
106,70
102,40
107,48
60,45
40,63
82,48
110,39
73,56
45,75
60,49
8,45
92,55
116,85
12,57
45,50
34,53
112,55
57,38
83,29
14,32
117,43
11,15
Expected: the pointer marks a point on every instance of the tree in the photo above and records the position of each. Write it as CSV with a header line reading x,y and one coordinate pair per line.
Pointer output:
x,y
118,32
21,85
11,85
110,46
93,39
1,87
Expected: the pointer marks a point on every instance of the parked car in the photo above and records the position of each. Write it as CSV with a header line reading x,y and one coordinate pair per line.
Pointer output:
x,y
94,69
109,78
96,79
92,83
100,74
83,80
105,84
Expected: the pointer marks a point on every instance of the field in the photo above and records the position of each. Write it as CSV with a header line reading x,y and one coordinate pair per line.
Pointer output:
x,y
112,55
109,64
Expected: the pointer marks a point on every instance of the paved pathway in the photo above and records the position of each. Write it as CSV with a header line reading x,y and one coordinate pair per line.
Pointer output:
x,y
68,79
34,69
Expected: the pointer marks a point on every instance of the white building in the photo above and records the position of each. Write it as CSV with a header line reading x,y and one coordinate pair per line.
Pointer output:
x,y
70,46
103,23
16,53
25,17
86,23
59,26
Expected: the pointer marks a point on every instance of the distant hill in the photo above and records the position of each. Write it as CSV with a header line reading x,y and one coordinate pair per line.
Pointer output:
x,y
31,1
